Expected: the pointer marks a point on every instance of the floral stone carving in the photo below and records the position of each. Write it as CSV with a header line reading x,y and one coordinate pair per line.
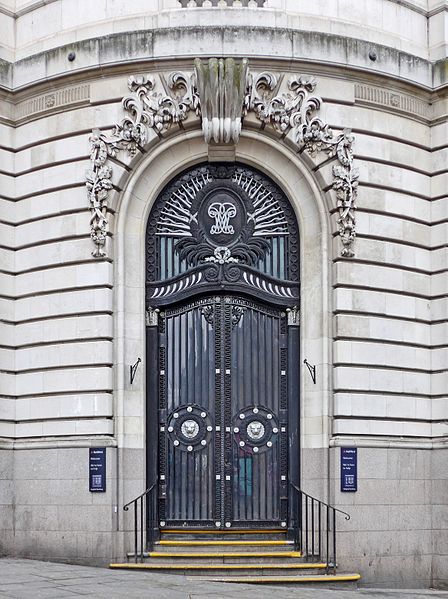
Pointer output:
x,y
296,111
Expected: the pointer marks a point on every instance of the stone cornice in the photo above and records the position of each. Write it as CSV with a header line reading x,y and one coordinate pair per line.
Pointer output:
x,y
32,6
349,53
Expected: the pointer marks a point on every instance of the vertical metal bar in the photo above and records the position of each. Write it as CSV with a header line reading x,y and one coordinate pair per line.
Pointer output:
x,y
328,539
312,526
306,526
334,541
320,530
135,530
141,530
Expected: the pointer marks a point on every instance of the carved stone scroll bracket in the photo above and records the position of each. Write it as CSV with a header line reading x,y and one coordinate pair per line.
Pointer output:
x,y
221,86
221,92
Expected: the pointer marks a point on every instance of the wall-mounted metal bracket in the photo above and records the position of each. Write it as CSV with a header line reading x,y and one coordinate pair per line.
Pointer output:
x,y
133,369
312,370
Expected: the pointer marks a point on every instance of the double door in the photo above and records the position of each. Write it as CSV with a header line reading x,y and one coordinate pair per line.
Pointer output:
x,y
223,414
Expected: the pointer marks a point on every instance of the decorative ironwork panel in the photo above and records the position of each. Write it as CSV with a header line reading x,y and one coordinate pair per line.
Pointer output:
x,y
187,424
222,421
258,422
220,223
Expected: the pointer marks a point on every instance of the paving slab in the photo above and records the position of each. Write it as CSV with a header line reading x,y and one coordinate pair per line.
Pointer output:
x,y
31,579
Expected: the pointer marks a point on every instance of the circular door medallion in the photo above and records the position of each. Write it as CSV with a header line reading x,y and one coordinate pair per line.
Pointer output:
x,y
189,428
255,429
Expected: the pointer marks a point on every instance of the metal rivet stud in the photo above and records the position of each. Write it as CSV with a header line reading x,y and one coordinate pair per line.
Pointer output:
x,y
71,56
170,429
203,442
255,450
373,55
190,448
284,524
242,444
175,415
269,443
242,416
189,409
255,410
176,443
209,428
236,430
228,524
275,430
203,414
162,523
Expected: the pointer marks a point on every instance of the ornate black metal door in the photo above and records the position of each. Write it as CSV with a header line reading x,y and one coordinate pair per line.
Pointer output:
x,y
223,399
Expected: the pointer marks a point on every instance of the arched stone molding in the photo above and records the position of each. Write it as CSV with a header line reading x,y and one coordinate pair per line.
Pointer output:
x,y
156,168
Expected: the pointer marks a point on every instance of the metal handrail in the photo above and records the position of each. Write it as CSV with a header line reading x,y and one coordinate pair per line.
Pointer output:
x,y
314,528
145,503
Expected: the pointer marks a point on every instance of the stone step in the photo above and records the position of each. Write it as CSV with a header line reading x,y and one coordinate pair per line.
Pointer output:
x,y
231,535
331,581
222,557
235,570
224,545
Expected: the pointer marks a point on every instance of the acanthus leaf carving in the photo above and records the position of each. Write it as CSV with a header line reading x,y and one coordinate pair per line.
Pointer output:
x,y
296,111
146,109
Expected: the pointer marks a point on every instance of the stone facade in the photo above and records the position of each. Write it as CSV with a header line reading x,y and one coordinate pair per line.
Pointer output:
x,y
375,324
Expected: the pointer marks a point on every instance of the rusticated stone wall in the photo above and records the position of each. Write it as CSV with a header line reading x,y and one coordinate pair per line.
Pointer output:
x,y
375,324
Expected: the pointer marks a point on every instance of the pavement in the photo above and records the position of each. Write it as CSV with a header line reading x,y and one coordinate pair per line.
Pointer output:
x,y
30,579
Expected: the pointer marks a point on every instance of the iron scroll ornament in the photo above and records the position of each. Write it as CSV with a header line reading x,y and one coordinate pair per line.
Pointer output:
x,y
221,226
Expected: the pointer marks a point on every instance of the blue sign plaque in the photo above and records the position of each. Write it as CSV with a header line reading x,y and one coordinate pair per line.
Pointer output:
x,y
349,469
97,469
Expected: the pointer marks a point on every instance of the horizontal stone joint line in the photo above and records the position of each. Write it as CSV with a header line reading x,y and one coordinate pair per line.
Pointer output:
x,y
57,342
60,419
63,367
389,290
385,341
388,392
61,290
387,367
365,262
43,192
389,419
58,393
26,321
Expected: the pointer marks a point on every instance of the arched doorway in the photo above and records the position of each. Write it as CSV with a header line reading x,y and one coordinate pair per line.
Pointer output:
x,y
222,296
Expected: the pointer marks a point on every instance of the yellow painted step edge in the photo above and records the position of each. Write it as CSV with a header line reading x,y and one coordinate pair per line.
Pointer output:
x,y
236,543
287,579
208,531
217,566
157,554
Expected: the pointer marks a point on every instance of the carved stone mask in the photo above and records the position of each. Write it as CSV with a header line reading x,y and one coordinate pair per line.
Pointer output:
x,y
190,429
255,430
